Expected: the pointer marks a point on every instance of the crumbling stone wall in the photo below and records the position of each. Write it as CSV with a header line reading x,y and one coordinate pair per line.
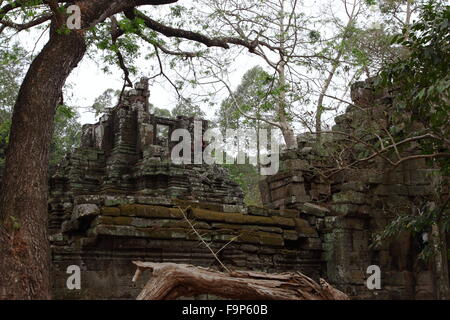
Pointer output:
x,y
103,240
351,206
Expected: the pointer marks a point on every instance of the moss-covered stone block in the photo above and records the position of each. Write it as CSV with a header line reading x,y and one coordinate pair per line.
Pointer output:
x,y
270,239
285,222
304,229
315,210
136,210
110,211
129,231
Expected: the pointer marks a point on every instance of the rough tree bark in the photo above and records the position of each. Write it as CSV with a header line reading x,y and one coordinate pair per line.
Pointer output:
x,y
24,248
440,260
170,281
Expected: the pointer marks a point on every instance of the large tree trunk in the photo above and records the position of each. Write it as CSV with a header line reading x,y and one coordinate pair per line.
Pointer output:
x,y
170,281
24,249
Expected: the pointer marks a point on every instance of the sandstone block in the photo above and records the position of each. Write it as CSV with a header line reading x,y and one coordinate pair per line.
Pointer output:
x,y
85,210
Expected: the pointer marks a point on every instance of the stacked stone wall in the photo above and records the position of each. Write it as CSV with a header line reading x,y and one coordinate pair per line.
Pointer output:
x,y
350,207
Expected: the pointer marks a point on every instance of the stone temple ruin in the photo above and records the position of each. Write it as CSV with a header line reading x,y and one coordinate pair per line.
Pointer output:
x,y
118,197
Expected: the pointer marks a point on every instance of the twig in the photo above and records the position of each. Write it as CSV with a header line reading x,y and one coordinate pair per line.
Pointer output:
x,y
203,241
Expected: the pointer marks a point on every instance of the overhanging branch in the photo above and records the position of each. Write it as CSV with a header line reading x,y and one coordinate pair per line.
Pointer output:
x,y
222,42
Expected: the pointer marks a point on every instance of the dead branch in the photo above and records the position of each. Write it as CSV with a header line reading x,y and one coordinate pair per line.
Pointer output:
x,y
170,281
203,240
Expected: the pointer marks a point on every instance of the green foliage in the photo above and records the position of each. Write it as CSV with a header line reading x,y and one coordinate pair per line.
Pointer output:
x,y
255,96
421,82
161,112
4,139
66,134
416,225
12,64
127,45
186,108
67,129
247,176
107,99
422,78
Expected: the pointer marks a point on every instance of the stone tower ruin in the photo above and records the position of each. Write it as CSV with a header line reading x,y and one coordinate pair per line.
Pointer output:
x,y
118,198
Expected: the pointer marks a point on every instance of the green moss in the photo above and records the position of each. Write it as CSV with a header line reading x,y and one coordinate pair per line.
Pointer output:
x,y
200,205
128,210
301,223
152,233
249,237
247,227
270,239
137,210
110,211
286,222
286,213
124,221
290,235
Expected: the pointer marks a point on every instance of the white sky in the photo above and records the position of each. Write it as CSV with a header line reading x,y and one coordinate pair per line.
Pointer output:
x,y
88,81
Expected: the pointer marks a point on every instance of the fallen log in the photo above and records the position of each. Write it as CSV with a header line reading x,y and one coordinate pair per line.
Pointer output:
x,y
170,281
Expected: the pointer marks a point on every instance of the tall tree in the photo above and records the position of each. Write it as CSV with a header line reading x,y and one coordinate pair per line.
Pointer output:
x,y
107,99
352,10
254,96
308,53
